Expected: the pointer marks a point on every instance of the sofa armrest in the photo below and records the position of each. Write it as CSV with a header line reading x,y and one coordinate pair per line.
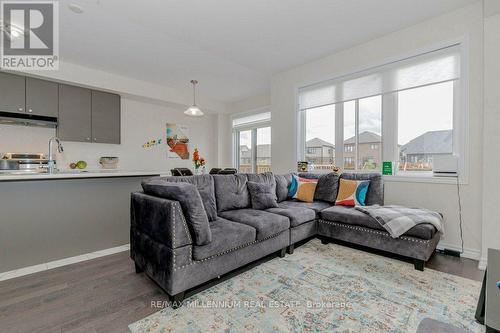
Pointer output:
x,y
160,219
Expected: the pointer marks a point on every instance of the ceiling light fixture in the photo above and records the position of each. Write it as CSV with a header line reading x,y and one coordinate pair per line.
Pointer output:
x,y
194,110
12,31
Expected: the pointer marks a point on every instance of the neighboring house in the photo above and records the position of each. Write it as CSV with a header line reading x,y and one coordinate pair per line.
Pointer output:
x,y
245,155
264,155
370,149
320,152
417,154
263,158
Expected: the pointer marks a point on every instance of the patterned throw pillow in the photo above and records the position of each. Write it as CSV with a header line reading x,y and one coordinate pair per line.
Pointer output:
x,y
352,192
302,189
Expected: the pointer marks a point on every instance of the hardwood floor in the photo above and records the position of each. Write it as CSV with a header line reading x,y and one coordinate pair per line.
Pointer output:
x,y
106,295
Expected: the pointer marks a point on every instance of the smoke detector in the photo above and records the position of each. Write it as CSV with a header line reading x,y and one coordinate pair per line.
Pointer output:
x,y
75,8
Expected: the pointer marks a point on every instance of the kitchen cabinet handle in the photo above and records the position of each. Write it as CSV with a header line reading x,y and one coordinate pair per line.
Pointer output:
x,y
95,139
30,110
88,139
20,109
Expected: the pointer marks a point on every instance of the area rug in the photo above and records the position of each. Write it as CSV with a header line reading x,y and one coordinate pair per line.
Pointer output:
x,y
324,288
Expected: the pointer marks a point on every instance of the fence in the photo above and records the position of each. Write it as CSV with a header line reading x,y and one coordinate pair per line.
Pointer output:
x,y
246,168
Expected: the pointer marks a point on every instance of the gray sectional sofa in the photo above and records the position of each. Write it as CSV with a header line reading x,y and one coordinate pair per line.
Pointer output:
x,y
186,231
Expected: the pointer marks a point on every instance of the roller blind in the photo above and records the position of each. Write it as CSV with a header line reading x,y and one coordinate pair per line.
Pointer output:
x,y
432,67
251,120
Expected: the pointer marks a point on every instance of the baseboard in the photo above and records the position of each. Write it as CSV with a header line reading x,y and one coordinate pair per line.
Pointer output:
x,y
482,263
468,253
62,262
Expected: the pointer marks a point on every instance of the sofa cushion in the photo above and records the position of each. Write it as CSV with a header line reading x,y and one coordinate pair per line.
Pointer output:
x,y
265,177
266,224
282,184
352,216
296,215
226,235
262,195
375,194
205,185
327,187
317,206
231,192
192,206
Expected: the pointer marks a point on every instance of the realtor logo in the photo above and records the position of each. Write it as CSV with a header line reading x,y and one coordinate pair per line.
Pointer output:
x,y
29,35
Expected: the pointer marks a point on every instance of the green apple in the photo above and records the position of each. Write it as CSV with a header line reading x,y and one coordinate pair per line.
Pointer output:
x,y
81,164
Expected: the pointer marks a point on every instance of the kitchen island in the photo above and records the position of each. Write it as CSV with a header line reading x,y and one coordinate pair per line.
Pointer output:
x,y
47,217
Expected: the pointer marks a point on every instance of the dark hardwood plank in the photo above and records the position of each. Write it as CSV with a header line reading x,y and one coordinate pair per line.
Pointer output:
x,y
105,295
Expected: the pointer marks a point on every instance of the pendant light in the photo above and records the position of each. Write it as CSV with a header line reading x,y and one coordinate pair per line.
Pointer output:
x,y
194,110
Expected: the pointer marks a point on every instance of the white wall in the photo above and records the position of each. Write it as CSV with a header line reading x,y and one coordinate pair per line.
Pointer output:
x,y
225,140
464,23
251,103
140,122
491,147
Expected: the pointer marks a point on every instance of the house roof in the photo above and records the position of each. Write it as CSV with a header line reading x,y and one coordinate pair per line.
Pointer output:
x,y
317,142
433,142
365,137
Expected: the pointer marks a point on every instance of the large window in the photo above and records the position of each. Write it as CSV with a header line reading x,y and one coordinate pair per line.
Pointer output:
x,y
252,142
362,133
370,133
245,151
320,137
425,126
404,112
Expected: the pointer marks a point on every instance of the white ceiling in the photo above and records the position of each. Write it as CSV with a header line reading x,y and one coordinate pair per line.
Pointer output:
x,y
232,47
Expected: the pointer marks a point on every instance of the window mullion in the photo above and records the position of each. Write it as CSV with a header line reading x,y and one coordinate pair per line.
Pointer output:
x,y
390,149
254,150
339,135
356,136
236,149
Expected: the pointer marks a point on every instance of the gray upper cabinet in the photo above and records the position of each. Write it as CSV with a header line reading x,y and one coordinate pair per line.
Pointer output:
x,y
84,115
75,120
12,93
41,97
105,117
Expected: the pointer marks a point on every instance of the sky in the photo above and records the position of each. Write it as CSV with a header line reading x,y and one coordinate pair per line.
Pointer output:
x,y
263,137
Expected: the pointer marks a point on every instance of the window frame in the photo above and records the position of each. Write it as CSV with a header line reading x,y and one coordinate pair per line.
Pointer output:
x,y
389,121
253,127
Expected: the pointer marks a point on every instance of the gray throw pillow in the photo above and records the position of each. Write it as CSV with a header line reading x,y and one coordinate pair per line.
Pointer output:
x,y
262,195
328,185
192,206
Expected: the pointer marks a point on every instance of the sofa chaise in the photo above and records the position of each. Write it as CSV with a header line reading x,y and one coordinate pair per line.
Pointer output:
x,y
174,245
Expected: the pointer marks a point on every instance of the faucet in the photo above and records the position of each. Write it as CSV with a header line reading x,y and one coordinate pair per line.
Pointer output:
x,y
60,149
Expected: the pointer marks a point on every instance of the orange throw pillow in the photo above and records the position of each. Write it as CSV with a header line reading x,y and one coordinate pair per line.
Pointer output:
x,y
303,189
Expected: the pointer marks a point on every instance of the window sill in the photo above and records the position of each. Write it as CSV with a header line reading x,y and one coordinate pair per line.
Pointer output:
x,y
422,179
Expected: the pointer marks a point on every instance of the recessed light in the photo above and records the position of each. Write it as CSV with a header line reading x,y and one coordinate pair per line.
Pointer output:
x,y
75,8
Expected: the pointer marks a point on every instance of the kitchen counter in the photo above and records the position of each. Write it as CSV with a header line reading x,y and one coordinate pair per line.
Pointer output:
x,y
74,174
47,217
